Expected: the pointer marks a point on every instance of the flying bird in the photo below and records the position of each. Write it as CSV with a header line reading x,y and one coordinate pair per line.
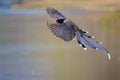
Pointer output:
x,y
66,29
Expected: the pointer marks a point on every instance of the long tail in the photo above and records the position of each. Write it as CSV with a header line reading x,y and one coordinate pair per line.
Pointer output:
x,y
79,40
83,39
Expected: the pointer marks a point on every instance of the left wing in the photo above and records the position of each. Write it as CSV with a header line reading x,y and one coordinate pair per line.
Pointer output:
x,y
54,13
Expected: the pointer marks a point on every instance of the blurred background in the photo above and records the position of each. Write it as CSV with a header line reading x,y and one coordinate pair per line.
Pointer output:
x,y
29,50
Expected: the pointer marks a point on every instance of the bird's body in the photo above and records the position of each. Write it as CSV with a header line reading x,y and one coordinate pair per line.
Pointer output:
x,y
66,29
62,30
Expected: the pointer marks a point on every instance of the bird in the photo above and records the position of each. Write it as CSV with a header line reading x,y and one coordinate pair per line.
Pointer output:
x,y
67,30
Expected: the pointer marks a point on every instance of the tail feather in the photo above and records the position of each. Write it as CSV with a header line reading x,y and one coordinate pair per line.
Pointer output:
x,y
93,44
82,45
88,36
79,40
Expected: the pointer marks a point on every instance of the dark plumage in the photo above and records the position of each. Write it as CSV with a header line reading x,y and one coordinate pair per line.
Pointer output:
x,y
66,29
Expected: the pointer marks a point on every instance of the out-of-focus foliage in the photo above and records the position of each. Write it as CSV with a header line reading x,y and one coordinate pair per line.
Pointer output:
x,y
68,3
111,21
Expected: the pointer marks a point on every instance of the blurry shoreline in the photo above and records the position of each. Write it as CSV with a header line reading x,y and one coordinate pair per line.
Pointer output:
x,y
88,4
30,51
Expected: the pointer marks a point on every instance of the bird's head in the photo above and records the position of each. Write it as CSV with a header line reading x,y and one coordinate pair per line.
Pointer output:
x,y
59,20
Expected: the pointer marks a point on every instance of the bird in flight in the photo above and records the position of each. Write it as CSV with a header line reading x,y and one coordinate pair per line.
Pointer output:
x,y
66,29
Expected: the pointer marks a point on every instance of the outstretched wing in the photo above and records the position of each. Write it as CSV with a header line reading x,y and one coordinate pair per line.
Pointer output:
x,y
54,13
62,31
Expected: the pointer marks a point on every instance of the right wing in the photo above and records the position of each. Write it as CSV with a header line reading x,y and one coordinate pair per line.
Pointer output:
x,y
54,13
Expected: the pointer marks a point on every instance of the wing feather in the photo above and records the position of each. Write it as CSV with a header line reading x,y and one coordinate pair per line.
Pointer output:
x,y
55,14
62,31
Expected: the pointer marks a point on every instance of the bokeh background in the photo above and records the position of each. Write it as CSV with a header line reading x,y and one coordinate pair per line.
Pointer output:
x,y
29,51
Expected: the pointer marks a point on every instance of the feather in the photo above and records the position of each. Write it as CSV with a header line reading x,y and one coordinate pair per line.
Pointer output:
x,y
61,30
95,45
54,13
77,33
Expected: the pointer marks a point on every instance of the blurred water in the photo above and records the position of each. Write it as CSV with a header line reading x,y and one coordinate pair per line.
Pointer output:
x,y
29,51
